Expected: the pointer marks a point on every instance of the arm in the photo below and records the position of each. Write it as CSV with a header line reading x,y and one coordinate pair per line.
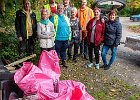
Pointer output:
x,y
103,31
80,30
118,34
40,33
17,24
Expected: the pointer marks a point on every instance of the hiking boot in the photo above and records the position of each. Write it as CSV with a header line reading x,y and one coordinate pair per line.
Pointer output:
x,y
106,67
64,64
85,57
90,65
75,60
97,66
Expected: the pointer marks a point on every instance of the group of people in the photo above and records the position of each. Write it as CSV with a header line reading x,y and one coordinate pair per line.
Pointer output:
x,y
61,27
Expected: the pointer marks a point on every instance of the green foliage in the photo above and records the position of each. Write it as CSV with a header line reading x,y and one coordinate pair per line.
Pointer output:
x,y
9,46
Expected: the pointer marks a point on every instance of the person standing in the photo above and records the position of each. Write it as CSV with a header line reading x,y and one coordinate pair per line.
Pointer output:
x,y
45,30
113,34
95,36
26,27
67,8
84,14
52,7
63,33
76,31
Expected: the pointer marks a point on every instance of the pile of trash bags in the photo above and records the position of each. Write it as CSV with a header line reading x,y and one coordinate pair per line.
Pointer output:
x,y
42,82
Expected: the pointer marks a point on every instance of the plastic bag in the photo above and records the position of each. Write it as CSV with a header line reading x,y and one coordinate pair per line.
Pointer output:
x,y
43,81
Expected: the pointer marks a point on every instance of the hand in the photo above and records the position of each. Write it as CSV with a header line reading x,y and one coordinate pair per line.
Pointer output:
x,y
20,39
84,34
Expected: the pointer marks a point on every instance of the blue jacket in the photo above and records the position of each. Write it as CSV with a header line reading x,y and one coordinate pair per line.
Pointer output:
x,y
113,33
63,30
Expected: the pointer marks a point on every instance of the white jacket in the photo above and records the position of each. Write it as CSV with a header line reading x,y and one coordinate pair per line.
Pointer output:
x,y
46,34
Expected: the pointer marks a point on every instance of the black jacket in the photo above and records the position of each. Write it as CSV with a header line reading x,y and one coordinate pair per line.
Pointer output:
x,y
113,33
20,24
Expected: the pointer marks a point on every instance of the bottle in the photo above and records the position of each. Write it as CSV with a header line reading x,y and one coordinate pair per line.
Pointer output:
x,y
56,86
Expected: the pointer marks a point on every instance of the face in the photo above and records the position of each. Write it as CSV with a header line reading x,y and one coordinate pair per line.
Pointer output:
x,y
97,13
66,2
84,3
73,13
60,9
45,15
27,6
112,17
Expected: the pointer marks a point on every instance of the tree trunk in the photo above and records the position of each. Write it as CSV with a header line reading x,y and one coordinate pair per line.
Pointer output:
x,y
2,7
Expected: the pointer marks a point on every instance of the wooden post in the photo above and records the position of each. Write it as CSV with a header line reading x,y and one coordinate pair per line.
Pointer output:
x,y
20,60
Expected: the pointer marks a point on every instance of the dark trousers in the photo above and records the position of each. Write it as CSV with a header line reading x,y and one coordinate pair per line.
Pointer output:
x,y
60,47
76,46
96,52
26,47
84,47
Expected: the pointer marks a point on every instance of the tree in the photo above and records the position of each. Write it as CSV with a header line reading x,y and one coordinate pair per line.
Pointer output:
x,y
2,7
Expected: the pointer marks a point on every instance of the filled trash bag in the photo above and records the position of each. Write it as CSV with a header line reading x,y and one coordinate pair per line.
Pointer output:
x,y
43,81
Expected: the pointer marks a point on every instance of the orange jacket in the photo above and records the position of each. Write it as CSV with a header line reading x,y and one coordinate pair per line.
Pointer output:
x,y
84,16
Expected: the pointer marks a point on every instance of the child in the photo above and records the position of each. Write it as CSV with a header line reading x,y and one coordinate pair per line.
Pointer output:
x,y
45,30
76,32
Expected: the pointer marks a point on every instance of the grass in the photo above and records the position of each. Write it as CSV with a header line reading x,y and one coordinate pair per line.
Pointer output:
x,y
98,83
135,28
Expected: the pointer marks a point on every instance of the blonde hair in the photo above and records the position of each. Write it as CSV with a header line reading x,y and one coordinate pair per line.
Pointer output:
x,y
74,9
45,10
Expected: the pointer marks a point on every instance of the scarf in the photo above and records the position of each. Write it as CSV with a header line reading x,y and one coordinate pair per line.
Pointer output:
x,y
44,21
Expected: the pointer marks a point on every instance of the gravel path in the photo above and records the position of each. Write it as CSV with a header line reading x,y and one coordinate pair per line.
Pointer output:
x,y
127,65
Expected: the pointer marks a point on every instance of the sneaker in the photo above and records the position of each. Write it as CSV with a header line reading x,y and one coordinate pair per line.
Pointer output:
x,y
97,66
90,65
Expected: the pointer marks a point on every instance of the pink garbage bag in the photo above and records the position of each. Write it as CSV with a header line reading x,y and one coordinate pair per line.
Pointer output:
x,y
49,64
68,90
29,78
40,80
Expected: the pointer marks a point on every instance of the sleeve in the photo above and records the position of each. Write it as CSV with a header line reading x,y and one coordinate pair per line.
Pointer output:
x,y
118,34
39,32
52,30
103,32
17,24
91,14
35,26
52,19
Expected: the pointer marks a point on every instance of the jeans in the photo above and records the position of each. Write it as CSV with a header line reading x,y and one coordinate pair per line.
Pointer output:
x,y
76,46
96,52
113,54
60,47
84,47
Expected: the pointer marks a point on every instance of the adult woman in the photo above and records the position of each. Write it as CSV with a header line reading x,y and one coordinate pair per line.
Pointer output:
x,y
95,36
45,31
113,35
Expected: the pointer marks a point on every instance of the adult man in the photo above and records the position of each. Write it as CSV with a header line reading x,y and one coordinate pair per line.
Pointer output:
x,y
26,26
52,7
84,14
67,8
63,33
